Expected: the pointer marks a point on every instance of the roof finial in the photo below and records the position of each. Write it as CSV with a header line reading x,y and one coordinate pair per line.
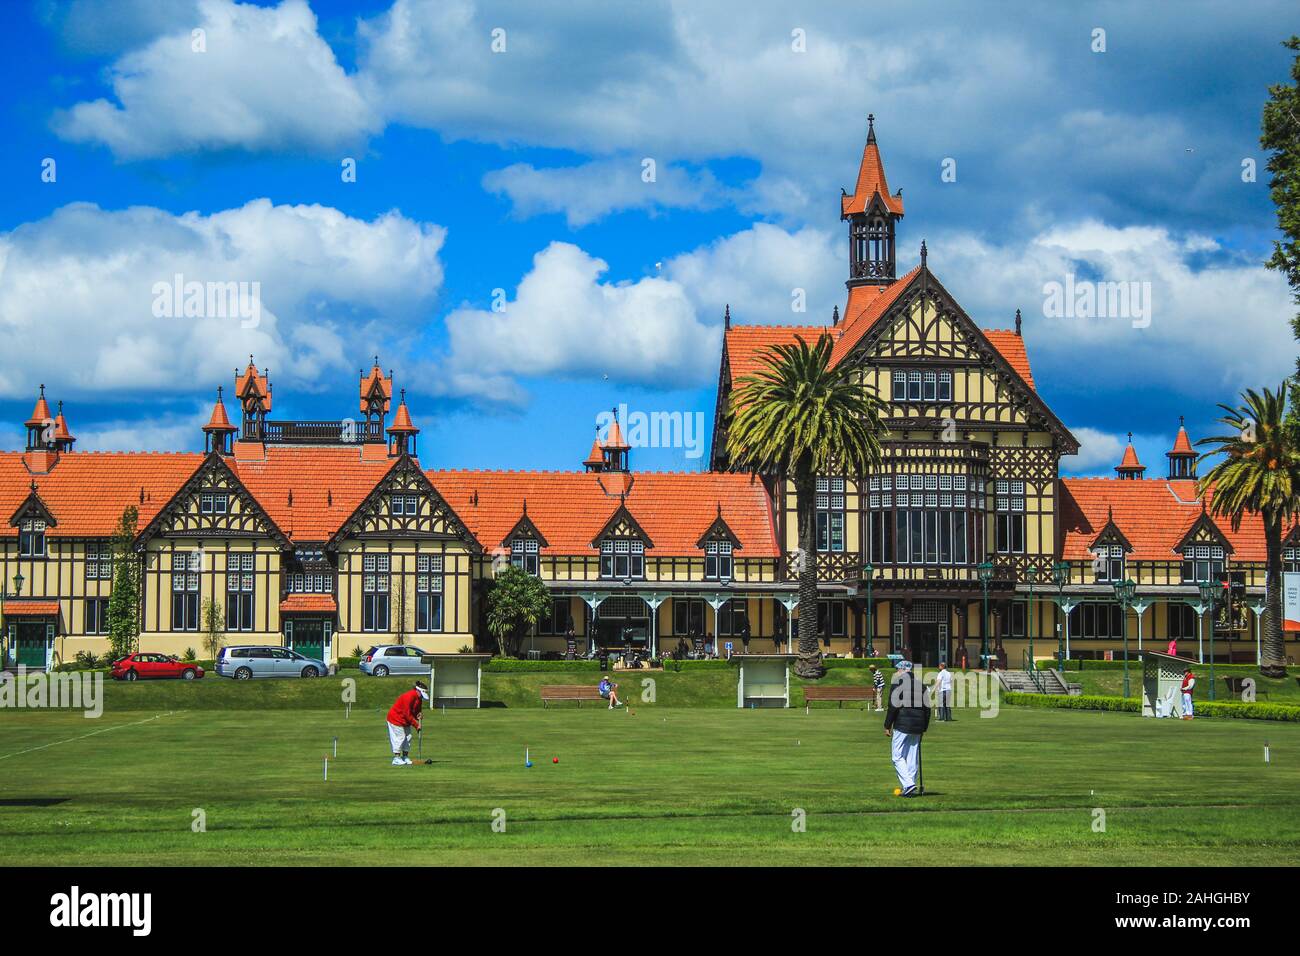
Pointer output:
x,y
218,393
923,253
1130,438
835,315
376,360
1180,421
42,390
871,127
403,396
726,317
1017,321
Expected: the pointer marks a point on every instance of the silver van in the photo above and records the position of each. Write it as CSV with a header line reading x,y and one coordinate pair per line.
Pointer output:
x,y
244,662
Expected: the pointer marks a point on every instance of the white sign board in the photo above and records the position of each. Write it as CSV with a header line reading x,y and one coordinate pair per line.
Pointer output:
x,y
1291,600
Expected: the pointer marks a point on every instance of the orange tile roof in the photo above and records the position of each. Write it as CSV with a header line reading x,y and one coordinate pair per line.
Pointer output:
x,y
22,608
327,484
871,182
571,508
866,304
309,604
747,345
1130,460
217,421
402,420
41,413
86,491
61,432
1153,513
1182,444
597,456
1012,348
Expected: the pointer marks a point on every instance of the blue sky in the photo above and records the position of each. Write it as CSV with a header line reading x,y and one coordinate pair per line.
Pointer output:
x,y
520,169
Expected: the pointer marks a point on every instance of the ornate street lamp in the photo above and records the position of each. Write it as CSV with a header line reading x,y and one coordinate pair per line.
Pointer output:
x,y
1061,577
1031,572
871,620
1124,591
985,571
1210,591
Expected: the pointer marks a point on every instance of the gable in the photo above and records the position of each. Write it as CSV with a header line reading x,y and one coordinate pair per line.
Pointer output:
x,y
213,502
404,504
621,524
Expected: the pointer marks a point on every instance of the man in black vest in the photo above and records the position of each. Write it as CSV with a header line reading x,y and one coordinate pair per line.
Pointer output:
x,y
906,720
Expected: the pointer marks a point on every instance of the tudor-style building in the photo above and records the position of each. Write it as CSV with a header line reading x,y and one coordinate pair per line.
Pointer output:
x,y
329,535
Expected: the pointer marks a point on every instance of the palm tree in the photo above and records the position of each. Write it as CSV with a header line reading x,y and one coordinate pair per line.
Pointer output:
x,y
797,418
1259,473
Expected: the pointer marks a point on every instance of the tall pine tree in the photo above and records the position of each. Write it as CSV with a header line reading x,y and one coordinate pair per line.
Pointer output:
x,y
1281,135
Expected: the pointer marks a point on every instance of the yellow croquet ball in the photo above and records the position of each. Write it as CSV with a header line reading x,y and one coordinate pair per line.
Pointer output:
x,y
898,791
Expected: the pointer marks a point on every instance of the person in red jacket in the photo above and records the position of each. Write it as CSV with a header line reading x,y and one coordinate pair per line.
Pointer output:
x,y
1189,683
404,719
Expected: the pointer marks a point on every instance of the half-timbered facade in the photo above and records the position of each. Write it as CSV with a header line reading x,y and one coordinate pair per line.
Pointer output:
x,y
330,535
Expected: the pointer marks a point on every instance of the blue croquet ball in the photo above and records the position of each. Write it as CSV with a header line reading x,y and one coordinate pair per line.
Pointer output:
x,y
528,763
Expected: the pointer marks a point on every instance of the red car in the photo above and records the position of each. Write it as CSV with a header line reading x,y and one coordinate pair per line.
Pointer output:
x,y
153,666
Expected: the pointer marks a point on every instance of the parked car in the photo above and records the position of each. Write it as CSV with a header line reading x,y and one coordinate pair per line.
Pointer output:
x,y
385,659
244,662
154,667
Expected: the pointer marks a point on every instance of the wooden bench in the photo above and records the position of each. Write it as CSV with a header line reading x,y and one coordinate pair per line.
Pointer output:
x,y
1238,684
578,692
859,692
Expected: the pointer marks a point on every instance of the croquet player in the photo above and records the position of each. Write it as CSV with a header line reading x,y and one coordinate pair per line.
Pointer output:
x,y
943,691
404,720
906,720
878,683
609,690
1189,684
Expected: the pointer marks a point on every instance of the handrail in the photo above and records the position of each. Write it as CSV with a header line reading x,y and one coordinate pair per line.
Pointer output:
x,y
1033,672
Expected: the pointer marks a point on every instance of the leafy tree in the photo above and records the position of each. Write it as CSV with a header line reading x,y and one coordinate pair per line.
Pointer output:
x,y
124,599
1281,134
1259,473
797,418
516,602
214,631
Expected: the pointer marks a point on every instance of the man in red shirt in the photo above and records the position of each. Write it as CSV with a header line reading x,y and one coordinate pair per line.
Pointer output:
x,y
404,719
1189,683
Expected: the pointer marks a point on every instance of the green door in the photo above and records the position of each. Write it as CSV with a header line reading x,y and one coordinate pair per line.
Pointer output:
x,y
31,645
307,637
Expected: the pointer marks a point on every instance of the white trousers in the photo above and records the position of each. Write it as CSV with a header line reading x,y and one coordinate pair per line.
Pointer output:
x,y
906,751
1187,705
400,738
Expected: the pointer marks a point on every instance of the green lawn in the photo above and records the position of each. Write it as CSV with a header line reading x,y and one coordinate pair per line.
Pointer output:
x,y
670,785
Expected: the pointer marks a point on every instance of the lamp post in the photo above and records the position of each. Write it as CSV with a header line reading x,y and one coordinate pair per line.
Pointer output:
x,y
1124,595
1061,577
18,590
871,620
1031,572
1210,598
985,571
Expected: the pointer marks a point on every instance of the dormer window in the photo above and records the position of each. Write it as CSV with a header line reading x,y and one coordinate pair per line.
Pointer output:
x,y
717,560
931,385
1108,563
622,558
404,505
1202,562
31,538
524,555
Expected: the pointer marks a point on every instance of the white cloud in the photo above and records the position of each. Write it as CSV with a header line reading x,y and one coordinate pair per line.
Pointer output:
x,y
77,294
1217,324
165,432
565,321
1099,452
591,191
265,81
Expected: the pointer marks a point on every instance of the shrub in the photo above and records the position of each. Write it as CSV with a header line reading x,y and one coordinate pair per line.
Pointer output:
x,y
86,660
507,665
358,651
190,655
1255,711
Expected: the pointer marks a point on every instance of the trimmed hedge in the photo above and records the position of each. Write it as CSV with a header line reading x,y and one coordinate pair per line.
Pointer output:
x,y
1252,711
1078,702
511,665
831,663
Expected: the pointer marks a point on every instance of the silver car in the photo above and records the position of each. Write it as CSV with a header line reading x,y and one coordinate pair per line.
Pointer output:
x,y
244,662
388,659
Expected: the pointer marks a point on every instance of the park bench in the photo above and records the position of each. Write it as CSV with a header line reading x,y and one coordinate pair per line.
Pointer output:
x,y
841,694
1238,684
578,692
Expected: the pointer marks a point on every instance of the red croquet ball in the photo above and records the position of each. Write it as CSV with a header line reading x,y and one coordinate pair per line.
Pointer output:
x,y
555,760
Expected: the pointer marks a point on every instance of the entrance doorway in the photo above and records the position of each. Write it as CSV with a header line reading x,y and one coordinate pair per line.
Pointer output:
x,y
923,644
622,621
30,642
309,636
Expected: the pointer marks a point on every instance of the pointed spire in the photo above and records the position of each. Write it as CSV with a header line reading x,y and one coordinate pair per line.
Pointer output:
x,y
1129,466
1182,457
871,181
